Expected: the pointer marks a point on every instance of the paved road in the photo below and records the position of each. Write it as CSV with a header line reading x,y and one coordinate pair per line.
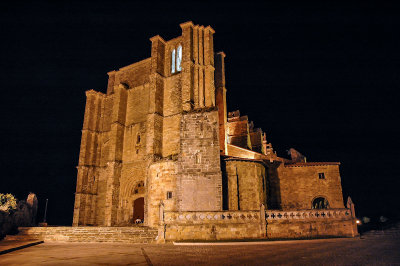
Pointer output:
x,y
369,251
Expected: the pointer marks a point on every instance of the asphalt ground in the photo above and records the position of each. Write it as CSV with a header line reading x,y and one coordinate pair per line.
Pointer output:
x,y
351,251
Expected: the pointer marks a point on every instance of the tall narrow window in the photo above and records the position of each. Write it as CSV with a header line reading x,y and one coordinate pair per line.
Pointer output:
x,y
198,158
173,61
169,194
176,59
179,59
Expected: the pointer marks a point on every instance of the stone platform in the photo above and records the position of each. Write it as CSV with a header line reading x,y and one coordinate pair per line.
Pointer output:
x,y
139,234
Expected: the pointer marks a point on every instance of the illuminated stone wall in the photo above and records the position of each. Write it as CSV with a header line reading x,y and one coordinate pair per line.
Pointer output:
x,y
300,184
310,223
137,125
162,179
246,184
199,171
212,225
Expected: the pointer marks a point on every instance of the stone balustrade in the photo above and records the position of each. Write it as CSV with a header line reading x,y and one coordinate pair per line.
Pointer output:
x,y
309,214
192,217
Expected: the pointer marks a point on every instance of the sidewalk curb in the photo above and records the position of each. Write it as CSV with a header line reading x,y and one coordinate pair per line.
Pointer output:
x,y
20,247
255,242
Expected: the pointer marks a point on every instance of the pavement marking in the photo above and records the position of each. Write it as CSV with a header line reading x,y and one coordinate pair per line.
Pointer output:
x,y
146,257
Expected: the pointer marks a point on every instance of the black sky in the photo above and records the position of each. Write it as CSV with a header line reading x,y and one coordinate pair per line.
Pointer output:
x,y
322,78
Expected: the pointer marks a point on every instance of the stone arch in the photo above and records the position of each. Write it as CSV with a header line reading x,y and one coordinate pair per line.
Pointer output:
x,y
320,202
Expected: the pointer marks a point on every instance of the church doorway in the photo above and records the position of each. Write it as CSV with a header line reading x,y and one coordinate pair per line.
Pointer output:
x,y
138,210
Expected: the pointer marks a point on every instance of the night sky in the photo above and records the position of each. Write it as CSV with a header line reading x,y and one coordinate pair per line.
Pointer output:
x,y
322,78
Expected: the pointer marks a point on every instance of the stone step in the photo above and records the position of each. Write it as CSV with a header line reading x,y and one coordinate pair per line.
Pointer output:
x,y
91,234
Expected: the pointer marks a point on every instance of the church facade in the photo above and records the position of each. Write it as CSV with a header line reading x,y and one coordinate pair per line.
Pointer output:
x,y
160,148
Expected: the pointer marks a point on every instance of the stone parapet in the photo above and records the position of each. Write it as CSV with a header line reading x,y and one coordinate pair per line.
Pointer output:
x,y
211,225
309,214
220,217
310,223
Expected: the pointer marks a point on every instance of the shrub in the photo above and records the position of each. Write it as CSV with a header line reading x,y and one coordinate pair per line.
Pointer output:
x,y
7,202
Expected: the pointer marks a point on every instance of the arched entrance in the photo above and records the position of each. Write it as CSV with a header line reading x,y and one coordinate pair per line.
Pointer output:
x,y
138,209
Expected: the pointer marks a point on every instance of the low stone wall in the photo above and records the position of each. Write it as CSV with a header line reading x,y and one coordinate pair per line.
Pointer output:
x,y
257,224
212,225
310,223
91,234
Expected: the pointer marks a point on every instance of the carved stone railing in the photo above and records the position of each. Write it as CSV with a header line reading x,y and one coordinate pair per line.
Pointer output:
x,y
308,214
212,217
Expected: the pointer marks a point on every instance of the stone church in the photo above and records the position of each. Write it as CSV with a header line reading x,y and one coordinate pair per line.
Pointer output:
x,y
160,148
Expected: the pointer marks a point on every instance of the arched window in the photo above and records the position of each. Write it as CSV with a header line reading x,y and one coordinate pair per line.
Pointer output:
x,y
176,60
320,203
198,158
179,59
173,61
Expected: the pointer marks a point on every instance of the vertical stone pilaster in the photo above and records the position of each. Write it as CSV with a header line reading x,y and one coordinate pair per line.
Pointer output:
x,y
220,98
233,195
154,134
187,66
88,158
157,73
158,55
201,45
111,82
209,66
114,165
202,67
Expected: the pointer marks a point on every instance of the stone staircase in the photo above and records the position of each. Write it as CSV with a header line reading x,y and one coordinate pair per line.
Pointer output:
x,y
393,232
139,234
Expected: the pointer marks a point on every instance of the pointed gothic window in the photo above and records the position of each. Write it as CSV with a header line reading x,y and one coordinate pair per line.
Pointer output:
x,y
173,61
176,60
179,58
